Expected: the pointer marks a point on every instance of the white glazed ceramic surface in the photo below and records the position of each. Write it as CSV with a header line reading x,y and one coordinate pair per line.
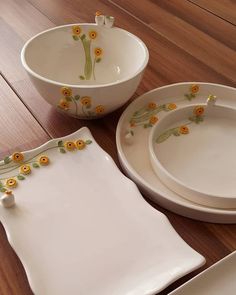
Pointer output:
x,y
95,62
81,227
219,279
198,161
134,153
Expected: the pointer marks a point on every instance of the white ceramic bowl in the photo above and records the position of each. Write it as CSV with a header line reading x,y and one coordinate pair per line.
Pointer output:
x,y
85,70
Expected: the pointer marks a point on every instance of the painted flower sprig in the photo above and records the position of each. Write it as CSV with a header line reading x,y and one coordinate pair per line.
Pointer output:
x,y
71,146
17,164
89,68
24,169
193,90
147,116
83,102
197,118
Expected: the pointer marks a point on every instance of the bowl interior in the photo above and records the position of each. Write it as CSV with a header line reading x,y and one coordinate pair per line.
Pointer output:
x,y
85,54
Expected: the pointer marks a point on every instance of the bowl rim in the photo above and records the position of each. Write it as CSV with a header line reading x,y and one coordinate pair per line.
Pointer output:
x,y
36,75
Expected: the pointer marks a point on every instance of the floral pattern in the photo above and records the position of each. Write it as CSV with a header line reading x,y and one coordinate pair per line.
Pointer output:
x,y
17,157
83,103
44,160
11,164
193,90
90,60
147,116
197,117
25,169
11,183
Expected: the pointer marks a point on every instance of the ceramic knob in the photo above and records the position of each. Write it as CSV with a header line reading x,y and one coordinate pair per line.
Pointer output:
x,y
8,199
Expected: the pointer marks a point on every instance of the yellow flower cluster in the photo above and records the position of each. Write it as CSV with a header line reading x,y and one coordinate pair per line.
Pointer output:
x,y
172,106
98,51
24,169
199,111
184,130
64,102
99,109
86,101
78,144
76,30
194,89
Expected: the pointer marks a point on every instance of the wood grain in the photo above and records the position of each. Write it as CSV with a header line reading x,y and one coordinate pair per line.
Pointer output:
x,y
226,9
187,40
18,131
206,22
184,34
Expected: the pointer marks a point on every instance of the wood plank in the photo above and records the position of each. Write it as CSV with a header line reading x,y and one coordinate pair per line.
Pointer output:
x,y
19,131
201,19
225,9
184,34
213,241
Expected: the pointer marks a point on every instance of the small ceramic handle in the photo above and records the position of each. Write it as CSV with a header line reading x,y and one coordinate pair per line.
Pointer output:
x,y
99,18
104,20
211,100
109,21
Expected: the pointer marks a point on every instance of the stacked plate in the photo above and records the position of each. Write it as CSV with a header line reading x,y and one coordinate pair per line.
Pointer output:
x,y
177,143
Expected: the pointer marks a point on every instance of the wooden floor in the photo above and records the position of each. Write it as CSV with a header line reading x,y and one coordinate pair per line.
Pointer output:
x,y
188,40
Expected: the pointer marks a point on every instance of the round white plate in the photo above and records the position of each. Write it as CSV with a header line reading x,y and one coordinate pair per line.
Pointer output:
x,y
192,151
132,143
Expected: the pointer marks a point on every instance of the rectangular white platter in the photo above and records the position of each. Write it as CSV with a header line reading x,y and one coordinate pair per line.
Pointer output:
x,y
80,226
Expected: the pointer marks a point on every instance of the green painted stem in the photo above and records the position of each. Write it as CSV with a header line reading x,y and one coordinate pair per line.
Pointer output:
x,y
94,63
88,61
146,115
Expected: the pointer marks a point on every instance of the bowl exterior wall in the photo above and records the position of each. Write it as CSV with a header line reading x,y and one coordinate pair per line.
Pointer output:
x,y
86,102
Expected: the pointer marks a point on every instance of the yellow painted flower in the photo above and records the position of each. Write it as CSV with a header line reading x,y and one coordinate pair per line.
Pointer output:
x,y
184,130
198,111
76,30
66,91
93,34
44,160
98,13
99,109
80,144
172,106
98,51
152,105
25,169
86,101
132,124
64,104
17,157
70,145
11,183
153,120
194,88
